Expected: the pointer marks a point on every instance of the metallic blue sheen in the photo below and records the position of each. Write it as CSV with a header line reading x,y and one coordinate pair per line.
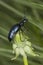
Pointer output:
x,y
15,29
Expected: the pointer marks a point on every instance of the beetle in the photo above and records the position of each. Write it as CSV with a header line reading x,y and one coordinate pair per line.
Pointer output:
x,y
15,28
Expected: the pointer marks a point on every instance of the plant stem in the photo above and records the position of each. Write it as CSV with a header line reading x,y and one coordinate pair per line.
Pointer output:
x,y
25,60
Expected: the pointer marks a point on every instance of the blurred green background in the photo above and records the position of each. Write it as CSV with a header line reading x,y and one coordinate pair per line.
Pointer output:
x,y
11,12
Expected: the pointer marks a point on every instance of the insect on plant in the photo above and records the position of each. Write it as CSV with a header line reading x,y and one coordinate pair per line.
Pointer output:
x,y
23,47
15,28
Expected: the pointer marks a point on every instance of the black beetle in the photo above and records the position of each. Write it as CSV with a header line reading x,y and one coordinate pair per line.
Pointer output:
x,y
15,28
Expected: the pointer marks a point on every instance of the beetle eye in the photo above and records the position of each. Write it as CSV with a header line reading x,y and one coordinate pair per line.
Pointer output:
x,y
24,20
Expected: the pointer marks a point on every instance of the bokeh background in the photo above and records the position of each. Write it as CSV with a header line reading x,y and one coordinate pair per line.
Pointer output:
x,y
11,12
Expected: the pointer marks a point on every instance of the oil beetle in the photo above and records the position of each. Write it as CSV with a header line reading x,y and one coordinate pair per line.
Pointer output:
x,y
15,28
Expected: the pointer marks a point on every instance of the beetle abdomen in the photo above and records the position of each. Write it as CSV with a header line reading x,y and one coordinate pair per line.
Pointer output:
x,y
13,31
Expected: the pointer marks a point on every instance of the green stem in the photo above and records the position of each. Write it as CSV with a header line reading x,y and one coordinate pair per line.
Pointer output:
x,y
25,60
